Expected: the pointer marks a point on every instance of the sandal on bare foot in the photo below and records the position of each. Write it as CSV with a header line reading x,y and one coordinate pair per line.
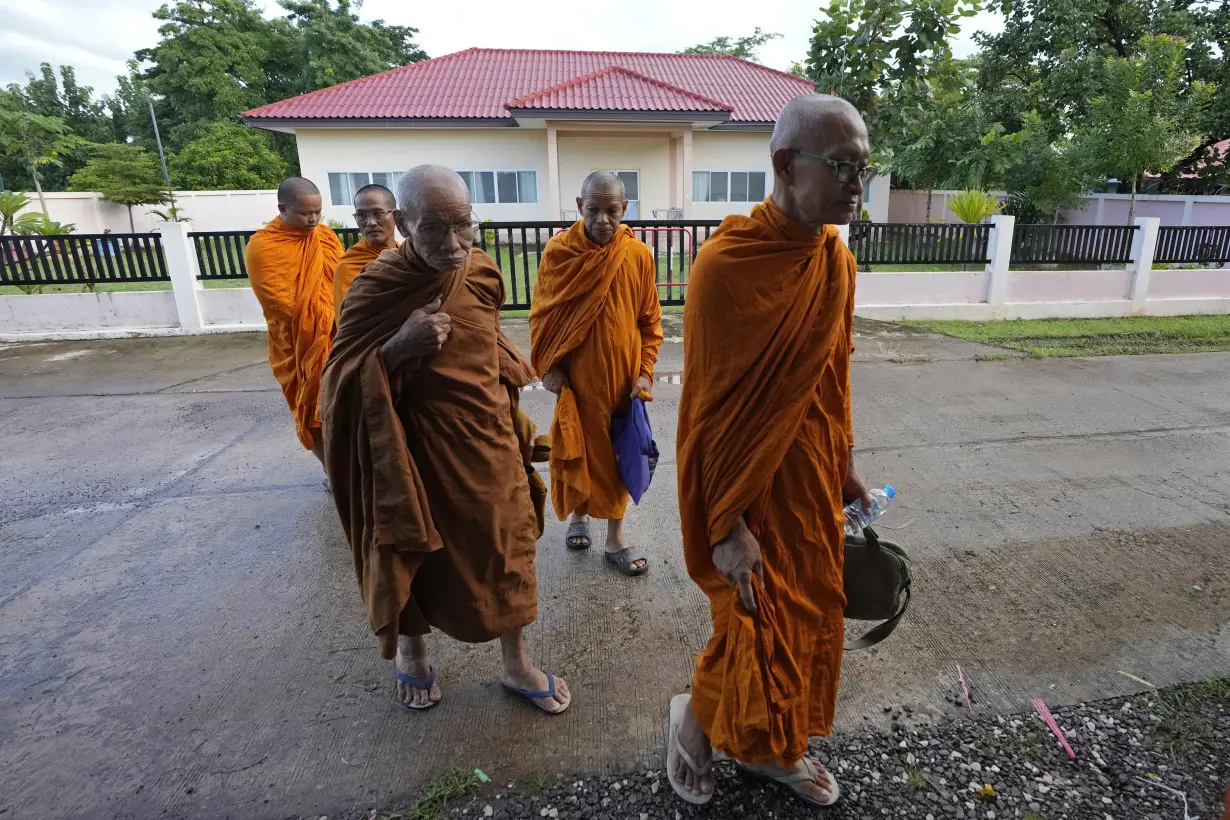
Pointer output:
x,y
814,774
578,536
679,704
534,697
623,559
422,684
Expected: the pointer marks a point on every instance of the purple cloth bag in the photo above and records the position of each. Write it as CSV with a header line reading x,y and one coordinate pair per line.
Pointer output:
x,y
635,450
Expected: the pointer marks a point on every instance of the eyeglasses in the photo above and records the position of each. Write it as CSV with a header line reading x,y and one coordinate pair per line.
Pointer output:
x,y
363,216
846,172
466,231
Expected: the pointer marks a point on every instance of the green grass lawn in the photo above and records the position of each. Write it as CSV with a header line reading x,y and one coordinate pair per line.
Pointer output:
x,y
1051,338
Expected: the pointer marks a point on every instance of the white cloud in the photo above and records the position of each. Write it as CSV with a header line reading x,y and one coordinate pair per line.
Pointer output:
x,y
98,36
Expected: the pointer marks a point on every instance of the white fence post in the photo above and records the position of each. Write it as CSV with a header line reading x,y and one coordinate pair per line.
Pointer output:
x,y
1140,268
999,255
844,232
181,264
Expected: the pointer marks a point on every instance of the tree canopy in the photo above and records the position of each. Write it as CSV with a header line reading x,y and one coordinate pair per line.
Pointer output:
x,y
746,48
122,173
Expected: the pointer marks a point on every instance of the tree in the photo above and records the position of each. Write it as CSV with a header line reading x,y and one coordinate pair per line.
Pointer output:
x,y
10,203
38,141
228,157
1050,175
745,48
124,174
1145,120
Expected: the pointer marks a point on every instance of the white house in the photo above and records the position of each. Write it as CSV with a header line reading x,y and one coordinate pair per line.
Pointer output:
x,y
688,133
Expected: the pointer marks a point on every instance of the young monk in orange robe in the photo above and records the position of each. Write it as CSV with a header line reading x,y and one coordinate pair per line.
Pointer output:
x,y
425,453
290,264
595,331
765,461
373,213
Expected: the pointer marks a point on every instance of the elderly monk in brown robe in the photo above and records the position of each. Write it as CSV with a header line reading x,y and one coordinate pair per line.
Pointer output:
x,y
595,331
374,207
420,408
765,454
290,265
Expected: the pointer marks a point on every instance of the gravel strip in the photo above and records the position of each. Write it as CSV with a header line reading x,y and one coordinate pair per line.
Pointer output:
x,y
1127,750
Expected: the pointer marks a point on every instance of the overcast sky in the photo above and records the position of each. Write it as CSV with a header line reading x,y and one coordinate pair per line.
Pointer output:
x,y
98,36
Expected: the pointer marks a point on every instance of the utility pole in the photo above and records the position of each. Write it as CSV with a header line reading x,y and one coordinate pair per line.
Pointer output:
x,y
163,157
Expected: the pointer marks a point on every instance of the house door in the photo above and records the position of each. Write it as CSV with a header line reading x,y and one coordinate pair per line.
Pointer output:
x,y
632,192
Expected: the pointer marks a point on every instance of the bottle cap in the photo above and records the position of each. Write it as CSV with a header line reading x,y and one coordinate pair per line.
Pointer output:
x,y
890,491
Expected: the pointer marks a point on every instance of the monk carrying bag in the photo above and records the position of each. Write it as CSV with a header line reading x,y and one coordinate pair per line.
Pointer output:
x,y
877,581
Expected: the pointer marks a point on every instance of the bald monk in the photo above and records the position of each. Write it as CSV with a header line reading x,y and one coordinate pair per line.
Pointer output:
x,y
595,331
423,451
373,214
765,455
290,265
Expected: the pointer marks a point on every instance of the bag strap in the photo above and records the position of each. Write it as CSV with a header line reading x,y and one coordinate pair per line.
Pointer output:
x,y
879,633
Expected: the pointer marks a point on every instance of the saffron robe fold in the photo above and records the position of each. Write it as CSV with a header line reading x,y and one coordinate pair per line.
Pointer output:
x,y
596,315
765,433
425,461
291,272
351,265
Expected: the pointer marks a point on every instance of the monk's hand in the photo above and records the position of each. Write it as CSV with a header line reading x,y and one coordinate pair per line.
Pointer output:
x,y
642,385
737,557
853,489
555,380
422,334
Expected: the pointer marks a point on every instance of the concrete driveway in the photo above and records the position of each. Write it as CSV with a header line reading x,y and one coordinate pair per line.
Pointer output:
x,y
181,634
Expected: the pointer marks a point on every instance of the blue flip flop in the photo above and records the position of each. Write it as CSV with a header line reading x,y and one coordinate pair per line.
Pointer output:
x,y
423,684
533,697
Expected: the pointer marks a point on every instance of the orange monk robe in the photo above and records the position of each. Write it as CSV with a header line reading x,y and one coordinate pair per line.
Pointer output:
x,y
596,315
350,265
291,272
764,432
425,461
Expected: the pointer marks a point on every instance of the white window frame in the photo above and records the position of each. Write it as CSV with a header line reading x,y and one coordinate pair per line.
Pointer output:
x,y
729,200
495,172
394,177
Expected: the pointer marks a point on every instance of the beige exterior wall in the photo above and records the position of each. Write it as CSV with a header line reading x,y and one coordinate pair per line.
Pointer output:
x,y
729,151
322,151
579,155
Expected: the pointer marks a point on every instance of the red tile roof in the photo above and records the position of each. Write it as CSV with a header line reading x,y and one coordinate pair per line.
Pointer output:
x,y
483,82
615,88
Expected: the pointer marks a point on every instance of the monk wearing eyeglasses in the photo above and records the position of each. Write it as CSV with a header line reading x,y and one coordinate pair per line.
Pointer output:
x,y
290,265
428,453
765,459
373,214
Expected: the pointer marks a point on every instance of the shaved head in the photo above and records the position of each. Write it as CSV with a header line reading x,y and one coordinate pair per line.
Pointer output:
x,y
820,152
299,203
434,214
602,182
808,121
376,193
293,189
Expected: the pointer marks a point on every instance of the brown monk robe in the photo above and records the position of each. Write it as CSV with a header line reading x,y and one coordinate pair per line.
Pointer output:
x,y
765,461
290,264
595,331
421,445
373,214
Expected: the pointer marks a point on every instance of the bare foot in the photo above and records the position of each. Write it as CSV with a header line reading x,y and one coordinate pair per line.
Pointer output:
x,y
412,661
529,678
615,542
697,783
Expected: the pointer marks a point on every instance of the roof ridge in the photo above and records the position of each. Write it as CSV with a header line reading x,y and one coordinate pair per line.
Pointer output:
x,y
520,102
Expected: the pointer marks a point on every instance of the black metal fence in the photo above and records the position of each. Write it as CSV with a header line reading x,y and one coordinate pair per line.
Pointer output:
x,y
220,254
888,243
82,259
1208,245
1072,244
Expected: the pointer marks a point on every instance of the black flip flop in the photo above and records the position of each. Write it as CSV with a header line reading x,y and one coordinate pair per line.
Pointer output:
x,y
578,530
622,561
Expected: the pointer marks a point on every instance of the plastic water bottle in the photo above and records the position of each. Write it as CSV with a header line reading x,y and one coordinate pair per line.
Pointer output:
x,y
857,518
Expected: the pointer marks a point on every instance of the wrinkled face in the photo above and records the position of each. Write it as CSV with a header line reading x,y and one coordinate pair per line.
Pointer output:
x,y
441,225
303,213
824,194
374,214
601,210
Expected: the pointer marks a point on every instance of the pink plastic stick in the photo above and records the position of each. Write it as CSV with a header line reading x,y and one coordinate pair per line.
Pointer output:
x,y
969,704
1049,720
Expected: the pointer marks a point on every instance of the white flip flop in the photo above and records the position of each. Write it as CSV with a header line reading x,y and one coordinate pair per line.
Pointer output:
x,y
680,703
790,780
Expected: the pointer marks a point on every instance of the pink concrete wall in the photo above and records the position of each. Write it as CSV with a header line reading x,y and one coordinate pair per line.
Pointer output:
x,y
911,206
1068,286
921,288
1189,284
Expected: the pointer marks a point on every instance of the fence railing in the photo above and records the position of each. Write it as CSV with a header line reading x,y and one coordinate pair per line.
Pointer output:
x,y
1207,245
887,243
82,259
220,254
1069,244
